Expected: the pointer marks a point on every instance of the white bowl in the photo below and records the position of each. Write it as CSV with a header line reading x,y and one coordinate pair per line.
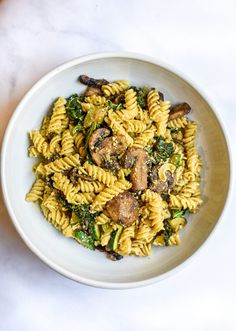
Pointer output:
x,y
64,254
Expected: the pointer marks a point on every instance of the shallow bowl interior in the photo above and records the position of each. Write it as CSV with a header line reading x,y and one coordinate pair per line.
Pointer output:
x,y
64,254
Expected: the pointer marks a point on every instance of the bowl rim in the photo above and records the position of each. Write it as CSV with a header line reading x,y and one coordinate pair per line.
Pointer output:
x,y
11,123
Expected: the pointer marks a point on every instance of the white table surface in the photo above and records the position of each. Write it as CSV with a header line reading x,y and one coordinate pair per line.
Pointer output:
x,y
198,38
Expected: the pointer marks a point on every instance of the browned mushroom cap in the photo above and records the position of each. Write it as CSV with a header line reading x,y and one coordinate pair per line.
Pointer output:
x,y
179,110
171,179
97,137
105,150
137,159
123,208
153,174
119,99
160,186
86,80
91,90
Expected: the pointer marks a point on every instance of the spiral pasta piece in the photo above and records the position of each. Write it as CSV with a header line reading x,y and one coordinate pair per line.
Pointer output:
x,y
117,127
36,192
100,174
59,220
193,159
115,88
110,192
63,184
141,249
131,106
102,219
78,140
178,123
190,189
162,118
40,143
58,115
54,145
86,186
145,233
180,201
67,143
125,240
96,100
44,126
145,138
50,201
134,126
149,195
156,214
106,235
153,105
32,152
143,116
62,164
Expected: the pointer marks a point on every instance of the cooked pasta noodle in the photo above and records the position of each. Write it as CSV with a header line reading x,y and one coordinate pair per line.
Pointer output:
x,y
58,116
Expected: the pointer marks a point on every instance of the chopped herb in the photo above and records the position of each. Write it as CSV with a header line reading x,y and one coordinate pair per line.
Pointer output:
x,y
167,232
178,212
176,159
175,130
114,106
141,95
90,130
84,239
74,112
77,128
88,157
162,150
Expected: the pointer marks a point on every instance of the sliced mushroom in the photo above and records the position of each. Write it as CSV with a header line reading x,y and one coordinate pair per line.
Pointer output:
x,y
97,137
171,179
91,90
123,208
110,254
137,160
158,185
179,111
119,99
161,96
91,81
153,174
106,150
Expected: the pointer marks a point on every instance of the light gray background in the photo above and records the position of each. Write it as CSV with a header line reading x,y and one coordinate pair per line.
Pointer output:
x,y
198,38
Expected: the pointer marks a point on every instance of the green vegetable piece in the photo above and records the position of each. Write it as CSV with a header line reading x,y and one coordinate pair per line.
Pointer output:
x,y
141,93
90,130
74,218
75,113
162,150
94,115
177,223
77,128
94,229
167,233
175,159
178,212
114,106
175,130
113,242
84,239
74,108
